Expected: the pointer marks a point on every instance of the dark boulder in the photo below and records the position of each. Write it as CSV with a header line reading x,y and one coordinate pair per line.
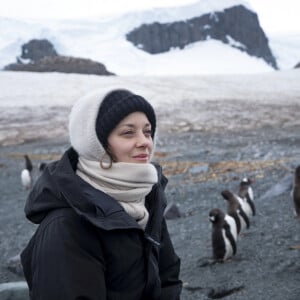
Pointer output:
x,y
37,49
41,56
236,26
297,65
172,212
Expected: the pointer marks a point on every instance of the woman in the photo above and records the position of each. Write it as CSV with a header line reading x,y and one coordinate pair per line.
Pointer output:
x,y
102,234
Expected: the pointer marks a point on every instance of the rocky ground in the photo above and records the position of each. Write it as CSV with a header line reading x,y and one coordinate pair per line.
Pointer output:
x,y
267,263
200,160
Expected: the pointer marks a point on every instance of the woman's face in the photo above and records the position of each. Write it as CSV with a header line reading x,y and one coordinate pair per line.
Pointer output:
x,y
131,140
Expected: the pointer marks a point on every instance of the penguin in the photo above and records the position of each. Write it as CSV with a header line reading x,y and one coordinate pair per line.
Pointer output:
x,y
223,236
28,163
235,210
296,192
246,193
245,206
26,178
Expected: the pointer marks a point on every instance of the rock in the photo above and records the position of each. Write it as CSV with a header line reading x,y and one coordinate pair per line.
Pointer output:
x,y
62,64
236,26
14,290
40,56
223,292
199,169
35,50
297,66
15,266
172,212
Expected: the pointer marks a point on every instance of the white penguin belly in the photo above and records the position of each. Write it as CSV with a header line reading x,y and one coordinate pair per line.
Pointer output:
x,y
243,222
245,206
251,194
25,178
232,224
228,248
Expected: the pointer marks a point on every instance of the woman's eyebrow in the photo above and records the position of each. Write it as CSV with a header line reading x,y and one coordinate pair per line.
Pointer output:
x,y
132,125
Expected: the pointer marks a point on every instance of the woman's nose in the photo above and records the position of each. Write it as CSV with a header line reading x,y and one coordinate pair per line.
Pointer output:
x,y
142,140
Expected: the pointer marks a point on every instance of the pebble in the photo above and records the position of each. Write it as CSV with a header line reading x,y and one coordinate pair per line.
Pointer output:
x,y
14,291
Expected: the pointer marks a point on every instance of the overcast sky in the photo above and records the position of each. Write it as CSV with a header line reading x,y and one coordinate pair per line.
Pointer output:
x,y
274,16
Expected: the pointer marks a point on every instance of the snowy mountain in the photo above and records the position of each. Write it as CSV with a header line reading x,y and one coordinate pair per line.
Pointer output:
x,y
104,40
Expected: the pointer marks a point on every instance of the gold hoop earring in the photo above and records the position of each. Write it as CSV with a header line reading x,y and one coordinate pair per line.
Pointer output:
x,y
104,164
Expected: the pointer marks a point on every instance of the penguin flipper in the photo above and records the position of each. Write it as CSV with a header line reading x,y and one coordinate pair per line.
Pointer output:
x,y
230,238
237,222
251,203
245,217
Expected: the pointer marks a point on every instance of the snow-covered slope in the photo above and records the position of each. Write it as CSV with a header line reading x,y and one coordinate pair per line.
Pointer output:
x,y
286,49
104,40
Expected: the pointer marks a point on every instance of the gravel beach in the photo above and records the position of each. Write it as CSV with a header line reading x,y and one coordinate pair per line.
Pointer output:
x,y
265,267
201,156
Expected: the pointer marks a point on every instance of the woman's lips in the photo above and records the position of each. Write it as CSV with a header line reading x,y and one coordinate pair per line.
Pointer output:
x,y
141,157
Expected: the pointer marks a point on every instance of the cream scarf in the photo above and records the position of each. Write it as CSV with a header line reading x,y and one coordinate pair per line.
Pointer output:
x,y
128,183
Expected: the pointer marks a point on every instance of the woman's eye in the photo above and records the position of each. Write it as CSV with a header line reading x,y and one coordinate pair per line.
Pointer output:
x,y
148,133
129,132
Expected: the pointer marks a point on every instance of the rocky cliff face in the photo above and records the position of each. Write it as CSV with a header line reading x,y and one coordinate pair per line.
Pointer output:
x,y
40,56
35,50
236,26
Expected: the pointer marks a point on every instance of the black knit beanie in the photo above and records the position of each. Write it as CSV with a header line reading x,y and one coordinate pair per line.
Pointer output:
x,y
115,106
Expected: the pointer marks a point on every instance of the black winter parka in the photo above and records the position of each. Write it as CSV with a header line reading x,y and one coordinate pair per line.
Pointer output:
x,y
87,247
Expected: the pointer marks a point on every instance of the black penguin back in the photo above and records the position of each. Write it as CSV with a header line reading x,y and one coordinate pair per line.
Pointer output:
x,y
296,191
28,163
